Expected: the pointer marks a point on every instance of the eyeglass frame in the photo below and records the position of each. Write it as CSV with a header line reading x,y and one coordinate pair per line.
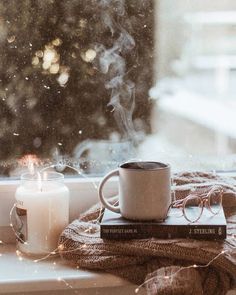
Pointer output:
x,y
204,202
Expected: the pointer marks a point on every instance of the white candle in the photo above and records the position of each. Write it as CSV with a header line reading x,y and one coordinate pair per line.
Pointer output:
x,y
42,212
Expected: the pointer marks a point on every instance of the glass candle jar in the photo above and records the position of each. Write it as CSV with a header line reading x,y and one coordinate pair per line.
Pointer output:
x,y
42,212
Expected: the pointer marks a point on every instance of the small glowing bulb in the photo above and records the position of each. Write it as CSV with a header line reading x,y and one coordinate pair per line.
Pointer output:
x,y
11,39
35,61
1,242
53,253
54,263
57,42
59,279
54,68
63,78
18,253
36,260
49,55
46,65
136,290
61,247
0,254
223,251
20,258
89,55
194,265
166,277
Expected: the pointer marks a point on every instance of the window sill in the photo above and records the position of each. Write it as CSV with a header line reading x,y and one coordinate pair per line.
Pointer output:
x,y
54,277
41,278
24,275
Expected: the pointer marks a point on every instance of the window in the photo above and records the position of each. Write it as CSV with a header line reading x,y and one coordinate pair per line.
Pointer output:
x,y
95,83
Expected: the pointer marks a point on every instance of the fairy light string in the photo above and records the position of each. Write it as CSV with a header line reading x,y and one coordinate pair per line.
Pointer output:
x,y
170,277
55,166
166,277
60,248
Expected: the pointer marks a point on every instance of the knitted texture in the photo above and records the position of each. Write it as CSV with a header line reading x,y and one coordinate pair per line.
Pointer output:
x,y
152,259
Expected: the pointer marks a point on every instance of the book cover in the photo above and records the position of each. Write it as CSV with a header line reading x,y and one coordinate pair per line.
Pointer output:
x,y
209,227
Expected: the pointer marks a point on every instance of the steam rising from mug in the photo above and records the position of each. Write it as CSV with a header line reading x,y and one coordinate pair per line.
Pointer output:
x,y
113,64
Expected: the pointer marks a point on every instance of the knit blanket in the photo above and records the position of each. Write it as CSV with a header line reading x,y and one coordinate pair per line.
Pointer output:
x,y
170,266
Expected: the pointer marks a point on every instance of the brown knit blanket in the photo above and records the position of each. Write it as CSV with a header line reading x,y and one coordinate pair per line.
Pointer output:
x,y
160,262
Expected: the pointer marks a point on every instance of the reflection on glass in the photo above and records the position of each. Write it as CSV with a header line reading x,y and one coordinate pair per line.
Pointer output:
x,y
74,73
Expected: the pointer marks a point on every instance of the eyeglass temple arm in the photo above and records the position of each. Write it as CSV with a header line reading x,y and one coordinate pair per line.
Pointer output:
x,y
176,203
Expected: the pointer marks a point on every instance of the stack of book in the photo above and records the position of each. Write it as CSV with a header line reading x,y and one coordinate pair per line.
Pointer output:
x,y
209,227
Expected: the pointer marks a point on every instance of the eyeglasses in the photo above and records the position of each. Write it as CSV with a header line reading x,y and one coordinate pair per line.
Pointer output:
x,y
192,206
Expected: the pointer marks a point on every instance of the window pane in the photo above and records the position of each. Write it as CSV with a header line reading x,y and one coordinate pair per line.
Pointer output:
x,y
194,115
74,82
95,83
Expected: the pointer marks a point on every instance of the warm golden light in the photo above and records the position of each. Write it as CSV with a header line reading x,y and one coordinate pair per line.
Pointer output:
x,y
89,55
54,68
49,55
63,78
11,39
35,61
61,247
48,58
57,42
39,181
30,161
18,253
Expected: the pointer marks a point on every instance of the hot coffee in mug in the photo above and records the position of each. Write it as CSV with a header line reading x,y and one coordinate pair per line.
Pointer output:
x,y
144,190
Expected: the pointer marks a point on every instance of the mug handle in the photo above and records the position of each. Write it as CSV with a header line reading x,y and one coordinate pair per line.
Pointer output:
x,y
104,202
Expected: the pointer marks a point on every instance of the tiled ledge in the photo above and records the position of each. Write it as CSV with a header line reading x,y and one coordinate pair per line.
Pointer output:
x,y
21,276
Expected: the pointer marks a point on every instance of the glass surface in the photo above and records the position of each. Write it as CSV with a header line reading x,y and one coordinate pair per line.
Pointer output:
x,y
42,180
43,176
88,85
75,77
215,201
194,122
193,208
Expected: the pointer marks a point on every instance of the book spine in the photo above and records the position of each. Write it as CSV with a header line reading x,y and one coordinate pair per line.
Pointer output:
x,y
204,232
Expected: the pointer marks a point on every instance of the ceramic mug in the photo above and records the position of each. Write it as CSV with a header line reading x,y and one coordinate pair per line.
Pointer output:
x,y
144,190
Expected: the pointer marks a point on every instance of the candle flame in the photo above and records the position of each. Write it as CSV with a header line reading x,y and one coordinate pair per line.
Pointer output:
x,y
31,167
45,176
39,181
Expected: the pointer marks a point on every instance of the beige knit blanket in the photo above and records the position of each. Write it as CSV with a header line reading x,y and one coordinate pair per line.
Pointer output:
x,y
160,262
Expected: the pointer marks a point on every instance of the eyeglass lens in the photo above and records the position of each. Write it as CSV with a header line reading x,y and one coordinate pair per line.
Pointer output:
x,y
215,201
193,208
